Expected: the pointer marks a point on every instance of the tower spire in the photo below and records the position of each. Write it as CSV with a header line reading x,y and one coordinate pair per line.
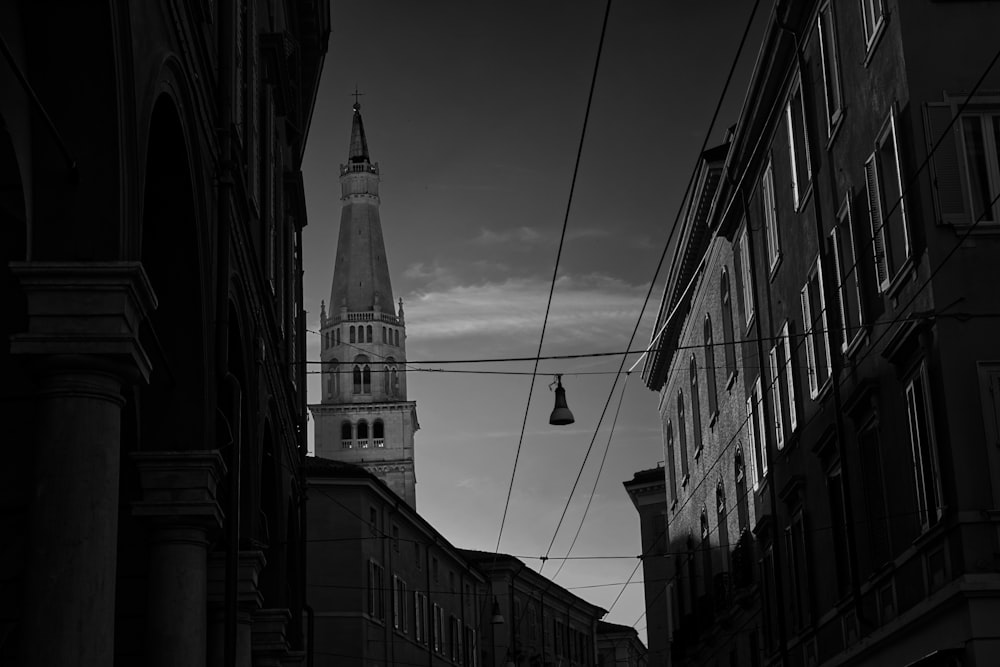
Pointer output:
x,y
359,143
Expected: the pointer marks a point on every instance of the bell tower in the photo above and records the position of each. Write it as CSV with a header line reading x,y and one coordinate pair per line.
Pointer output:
x,y
364,417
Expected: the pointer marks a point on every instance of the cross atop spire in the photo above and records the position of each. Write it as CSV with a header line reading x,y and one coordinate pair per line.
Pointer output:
x,y
357,104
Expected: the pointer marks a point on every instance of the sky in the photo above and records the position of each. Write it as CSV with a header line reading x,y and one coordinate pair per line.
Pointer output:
x,y
474,112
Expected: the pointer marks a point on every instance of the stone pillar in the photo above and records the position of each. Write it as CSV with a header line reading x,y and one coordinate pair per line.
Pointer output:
x,y
179,502
248,599
270,647
83,338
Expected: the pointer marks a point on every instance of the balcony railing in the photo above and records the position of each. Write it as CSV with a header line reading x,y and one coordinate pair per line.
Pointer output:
x,y
379,442
363,316
346,444
363,444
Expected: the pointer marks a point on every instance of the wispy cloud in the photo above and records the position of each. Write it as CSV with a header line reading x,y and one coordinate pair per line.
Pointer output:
x,y
585,309
520,235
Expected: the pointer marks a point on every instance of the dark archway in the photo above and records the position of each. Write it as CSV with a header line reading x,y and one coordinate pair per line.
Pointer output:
x,y
173,404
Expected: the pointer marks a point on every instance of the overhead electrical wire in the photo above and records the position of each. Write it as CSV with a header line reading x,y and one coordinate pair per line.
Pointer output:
x,y
555,268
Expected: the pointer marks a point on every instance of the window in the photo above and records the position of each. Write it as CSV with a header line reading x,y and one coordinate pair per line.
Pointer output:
x,y
384,335
742,505
398,599
798,145
980,132
375,599
352,335
378,433
396,335
831,67
886,207
876,510
746,275
682,435
369,332
420,617
434,568
395,538
469,647
873,16
782,387
729,345
722,519
713,396
338,335
438,629
363,434
755,435
926,476
795,550
334,383
770,217
373,519
838,530
362,375
671,470
455,634
695,408
705,547
816,330
845,256
346,435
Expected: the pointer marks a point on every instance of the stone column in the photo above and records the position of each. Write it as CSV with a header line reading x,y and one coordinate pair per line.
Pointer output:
x,y
248,599
179,502
270,646
83,338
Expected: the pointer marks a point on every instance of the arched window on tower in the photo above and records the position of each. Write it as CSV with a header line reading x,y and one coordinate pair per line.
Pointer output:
x,y
352,334
362,375
671,469
384,337
395,382
333,385
378,433
369,332
396,334
338,335
363,434
346,435
390,380
742,508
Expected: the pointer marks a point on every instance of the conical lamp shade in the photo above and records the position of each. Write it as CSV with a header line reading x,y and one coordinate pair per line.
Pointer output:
x,y
561,415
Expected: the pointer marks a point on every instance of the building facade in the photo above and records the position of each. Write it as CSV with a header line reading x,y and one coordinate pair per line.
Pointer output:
x,y
619,646
648,492
856,218
385,587
153,393
363,416
539,622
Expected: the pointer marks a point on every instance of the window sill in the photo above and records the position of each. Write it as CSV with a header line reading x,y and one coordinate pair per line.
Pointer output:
x,y
856,343
697,453
874,40
835,123
904,272
773,266
731,380
749,324
685,480
806,195
712,419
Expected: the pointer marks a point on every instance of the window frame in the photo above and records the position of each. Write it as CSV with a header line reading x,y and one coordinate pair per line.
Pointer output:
x,y
992,156
695,406
809,331
376,591
844,229
800,190
682,437
746,276
826,30
887,270
872,11
772,235
783,393
924,455
756,435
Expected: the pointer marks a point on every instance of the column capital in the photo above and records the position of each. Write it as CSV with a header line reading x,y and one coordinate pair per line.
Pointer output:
x,y
179,488
268,641
248,594
85,309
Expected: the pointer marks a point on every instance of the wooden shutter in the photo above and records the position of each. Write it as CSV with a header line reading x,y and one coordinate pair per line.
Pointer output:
x,y
951,205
